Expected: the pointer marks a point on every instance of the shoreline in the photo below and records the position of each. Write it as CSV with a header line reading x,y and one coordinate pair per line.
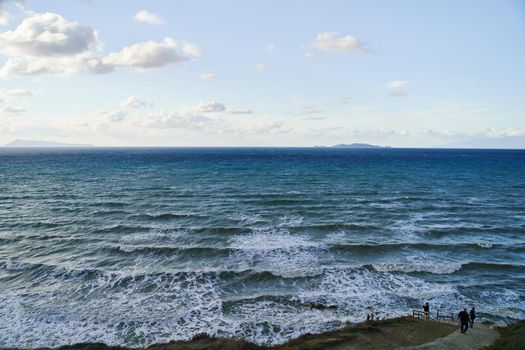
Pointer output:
x,y
384,334
404,332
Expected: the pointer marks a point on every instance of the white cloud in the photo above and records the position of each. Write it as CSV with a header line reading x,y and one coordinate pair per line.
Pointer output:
x,y
207,76
48,43
67,65
484,133
142,56
396,84
258,67
217,107
486,138
351,135
308,54
9,100
269,127
15,93
381,132
332,42
133,102
495,132
270,47
164,120
120,113
147,17
117,115
239,111
209,107
399,94
12,109
148,55
47,34
5,15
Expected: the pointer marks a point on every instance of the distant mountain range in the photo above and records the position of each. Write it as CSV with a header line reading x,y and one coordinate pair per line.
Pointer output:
x,y
43,144
358,145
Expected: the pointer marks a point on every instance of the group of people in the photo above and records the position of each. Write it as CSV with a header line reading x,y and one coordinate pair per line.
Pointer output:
x,y
372,317
465,318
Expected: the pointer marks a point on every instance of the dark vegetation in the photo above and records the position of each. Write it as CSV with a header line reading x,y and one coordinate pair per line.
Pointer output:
x,y
511,337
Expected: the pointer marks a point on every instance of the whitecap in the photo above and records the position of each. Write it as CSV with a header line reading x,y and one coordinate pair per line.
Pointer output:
x,y
292,220
247,219
277,251
429,267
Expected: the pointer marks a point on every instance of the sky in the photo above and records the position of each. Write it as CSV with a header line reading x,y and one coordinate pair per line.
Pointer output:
x,y
433,73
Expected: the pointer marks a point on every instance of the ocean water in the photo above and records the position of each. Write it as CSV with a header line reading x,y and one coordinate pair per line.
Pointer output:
x,y
137,246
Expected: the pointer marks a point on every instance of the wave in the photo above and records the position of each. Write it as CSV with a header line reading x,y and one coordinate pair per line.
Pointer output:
x,y
461,230
336,227
121,228
449,247
248,219
109,204
494,266
33,225
280,201
187,250
162,216
407,268
97,305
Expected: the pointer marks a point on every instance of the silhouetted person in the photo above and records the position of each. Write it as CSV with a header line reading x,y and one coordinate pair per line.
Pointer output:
x,y
464,319
368,317
426,311
372,316
472,316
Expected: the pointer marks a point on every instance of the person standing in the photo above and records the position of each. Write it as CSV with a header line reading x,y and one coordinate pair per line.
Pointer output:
x,y
472,316
464,319
426,311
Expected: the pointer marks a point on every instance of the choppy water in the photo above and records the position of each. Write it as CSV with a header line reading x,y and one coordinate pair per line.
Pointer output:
x,y
135,246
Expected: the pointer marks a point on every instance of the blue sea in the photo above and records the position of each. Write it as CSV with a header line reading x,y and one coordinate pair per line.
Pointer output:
x,y
138,246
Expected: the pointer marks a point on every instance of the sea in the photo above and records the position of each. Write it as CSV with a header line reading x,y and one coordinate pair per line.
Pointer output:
x,y
135,246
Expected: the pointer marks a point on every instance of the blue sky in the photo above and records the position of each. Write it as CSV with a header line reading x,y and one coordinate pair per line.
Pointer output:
x,y
263,73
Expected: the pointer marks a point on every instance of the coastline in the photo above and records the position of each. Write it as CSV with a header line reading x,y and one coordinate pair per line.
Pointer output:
x,y
401,333
385,334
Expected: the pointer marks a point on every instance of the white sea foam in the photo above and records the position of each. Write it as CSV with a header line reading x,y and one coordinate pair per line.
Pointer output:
x,y
112,308
247,219
277,251
292,220
410,227
137,309
356,291
155,239
485,244
431,267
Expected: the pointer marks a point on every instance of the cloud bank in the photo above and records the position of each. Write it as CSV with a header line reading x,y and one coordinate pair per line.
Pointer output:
x,y
48,43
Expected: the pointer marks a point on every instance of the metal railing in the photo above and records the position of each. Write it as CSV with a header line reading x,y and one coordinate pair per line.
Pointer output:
x,y
440,315
418,313
445,316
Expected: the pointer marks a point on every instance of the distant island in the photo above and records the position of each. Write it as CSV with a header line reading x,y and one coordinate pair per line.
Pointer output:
x,y
43,144
358,145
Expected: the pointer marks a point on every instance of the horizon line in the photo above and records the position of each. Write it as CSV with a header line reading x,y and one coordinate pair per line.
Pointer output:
x,y
296,147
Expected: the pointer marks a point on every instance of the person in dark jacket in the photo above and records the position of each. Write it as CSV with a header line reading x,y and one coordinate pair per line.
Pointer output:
x,y
464,319
472,316
426,311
